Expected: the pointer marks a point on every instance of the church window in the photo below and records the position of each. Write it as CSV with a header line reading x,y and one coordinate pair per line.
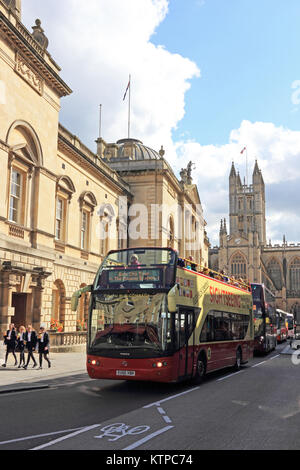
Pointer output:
x,y
238,266
274,272
295,275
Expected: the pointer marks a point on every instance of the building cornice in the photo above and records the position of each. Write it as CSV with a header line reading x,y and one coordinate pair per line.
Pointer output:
x,y
22,41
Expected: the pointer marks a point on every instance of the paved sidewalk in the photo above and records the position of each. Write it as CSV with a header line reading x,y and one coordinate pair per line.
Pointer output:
x,y
62,365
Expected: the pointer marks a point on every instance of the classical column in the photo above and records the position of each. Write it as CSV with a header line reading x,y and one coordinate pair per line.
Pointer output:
x,y
38,297
6,310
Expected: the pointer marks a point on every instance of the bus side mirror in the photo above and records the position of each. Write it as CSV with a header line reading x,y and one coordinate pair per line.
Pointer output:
x,y
76,296
172,306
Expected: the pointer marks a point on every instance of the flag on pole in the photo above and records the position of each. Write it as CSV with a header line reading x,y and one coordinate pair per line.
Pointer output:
x,y
128,86
245,148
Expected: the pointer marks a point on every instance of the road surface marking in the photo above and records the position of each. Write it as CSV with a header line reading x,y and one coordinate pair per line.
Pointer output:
x,y
38,436
147,438
255,365
230,375
158,403
119,430
60,439
274,357
164,416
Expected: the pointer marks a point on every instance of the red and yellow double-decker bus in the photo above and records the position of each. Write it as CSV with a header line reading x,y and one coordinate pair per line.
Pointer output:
x,y
153,318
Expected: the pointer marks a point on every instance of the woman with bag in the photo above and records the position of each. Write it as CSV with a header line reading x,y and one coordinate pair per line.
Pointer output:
x,y
21,345
10,342
44,343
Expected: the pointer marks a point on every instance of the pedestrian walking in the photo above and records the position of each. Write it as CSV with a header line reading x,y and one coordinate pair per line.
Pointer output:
x,y
30,344
21,345
10,342
44,344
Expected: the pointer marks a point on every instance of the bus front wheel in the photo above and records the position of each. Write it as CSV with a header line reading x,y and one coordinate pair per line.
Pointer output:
x,y
200,369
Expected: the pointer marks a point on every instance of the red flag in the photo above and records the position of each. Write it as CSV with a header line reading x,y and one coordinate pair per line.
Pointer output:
x,y
245,148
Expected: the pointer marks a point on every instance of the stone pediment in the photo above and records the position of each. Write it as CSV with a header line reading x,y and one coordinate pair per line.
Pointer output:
x,y
192,192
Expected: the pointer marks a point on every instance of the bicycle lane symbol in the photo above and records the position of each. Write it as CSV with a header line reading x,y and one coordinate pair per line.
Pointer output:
x,y
118,430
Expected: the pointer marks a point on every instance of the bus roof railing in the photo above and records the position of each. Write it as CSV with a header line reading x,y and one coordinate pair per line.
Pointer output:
x,y
221,276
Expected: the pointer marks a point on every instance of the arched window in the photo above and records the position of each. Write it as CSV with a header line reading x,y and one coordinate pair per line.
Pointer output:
x,y
274,272
239,266
64,191
88,203
295,275
25,157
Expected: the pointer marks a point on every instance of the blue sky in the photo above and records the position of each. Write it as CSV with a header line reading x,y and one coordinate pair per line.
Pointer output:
x,y
208,78
248,53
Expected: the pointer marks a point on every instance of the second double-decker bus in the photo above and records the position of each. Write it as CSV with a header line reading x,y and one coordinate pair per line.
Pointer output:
x,y
265,327
153,319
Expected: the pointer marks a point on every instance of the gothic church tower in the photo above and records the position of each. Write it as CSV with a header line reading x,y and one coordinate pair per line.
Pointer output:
x,y
240,250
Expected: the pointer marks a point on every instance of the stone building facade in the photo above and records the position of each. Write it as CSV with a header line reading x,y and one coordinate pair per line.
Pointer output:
x,y
244,250
62,206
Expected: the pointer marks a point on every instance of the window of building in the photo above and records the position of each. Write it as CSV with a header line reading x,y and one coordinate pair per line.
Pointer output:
x,y
295,275
238,266
87,202
274,272
59,223
85,222
15,199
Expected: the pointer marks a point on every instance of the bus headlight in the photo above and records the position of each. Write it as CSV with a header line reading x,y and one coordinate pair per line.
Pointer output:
x,y
95,363
159,364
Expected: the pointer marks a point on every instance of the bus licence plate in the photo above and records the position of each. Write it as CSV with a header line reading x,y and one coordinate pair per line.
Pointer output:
x,y
126,372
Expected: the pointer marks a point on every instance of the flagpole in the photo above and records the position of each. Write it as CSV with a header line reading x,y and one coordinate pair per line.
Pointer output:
x,y
100,122
129,104
247,166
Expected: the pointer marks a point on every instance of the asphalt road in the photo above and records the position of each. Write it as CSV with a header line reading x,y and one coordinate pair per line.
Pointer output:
x,y
255,408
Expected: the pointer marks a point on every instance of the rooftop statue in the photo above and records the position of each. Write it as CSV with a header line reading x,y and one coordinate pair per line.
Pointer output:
x,y
39,36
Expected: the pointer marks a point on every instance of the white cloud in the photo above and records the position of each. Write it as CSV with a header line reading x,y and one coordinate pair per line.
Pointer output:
x,y
99,42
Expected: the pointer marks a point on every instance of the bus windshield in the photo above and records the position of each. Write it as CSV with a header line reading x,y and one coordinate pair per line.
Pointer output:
x,y
135,269
132,323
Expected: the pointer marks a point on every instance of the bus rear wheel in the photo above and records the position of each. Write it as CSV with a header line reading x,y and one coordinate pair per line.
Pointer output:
x,y
200,369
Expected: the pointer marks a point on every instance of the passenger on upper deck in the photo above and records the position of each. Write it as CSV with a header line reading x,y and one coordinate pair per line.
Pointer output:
x,y
134,261
191,265
205,271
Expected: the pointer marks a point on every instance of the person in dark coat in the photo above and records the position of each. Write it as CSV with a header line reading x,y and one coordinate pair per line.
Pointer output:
x,y
30,344
43,345
10,342
21,345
